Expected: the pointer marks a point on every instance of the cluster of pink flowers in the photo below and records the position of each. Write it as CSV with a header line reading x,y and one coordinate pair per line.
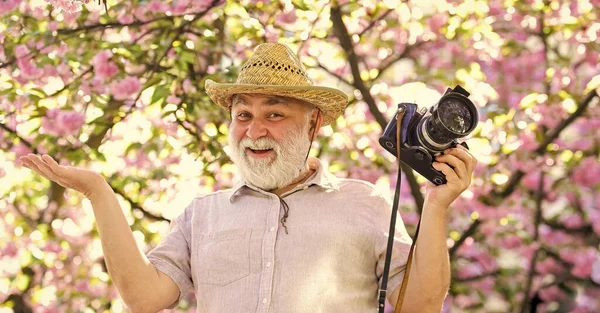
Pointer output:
x,y
125,88
104,68
28,68
8,5
67,6
62,123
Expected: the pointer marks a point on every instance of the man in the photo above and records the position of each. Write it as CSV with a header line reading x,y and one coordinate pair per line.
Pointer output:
x,y
289,237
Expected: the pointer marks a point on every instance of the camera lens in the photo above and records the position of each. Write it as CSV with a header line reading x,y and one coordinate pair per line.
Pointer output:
x,y
454,116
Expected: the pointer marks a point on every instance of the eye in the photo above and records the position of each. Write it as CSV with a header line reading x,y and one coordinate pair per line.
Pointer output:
x,y
275,115
243,116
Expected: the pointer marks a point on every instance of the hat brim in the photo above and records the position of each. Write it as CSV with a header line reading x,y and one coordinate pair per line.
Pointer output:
x,y
332,102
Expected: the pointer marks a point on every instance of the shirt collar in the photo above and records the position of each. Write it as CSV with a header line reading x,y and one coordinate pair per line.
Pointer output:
x,y
321,177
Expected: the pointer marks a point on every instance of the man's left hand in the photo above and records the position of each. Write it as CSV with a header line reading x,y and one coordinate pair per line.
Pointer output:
x,y
458,165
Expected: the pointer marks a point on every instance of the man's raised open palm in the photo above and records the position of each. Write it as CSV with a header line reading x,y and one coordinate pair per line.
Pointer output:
x,y
82,180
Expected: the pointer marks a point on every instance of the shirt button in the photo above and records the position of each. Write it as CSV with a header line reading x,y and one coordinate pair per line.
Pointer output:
x,y
272,229
268,264
264,300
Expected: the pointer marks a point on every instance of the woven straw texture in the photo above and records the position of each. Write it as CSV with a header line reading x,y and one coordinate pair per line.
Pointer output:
x,y
274,69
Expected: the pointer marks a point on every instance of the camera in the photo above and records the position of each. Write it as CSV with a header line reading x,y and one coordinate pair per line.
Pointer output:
x,y
427,133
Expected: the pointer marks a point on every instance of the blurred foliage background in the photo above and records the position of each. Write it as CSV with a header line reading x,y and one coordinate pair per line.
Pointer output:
x,y
121,91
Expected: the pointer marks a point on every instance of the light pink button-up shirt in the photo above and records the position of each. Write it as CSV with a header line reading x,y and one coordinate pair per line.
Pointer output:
x,y
231,250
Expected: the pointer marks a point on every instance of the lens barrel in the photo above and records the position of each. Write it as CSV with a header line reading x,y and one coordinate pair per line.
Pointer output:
x,y
453,117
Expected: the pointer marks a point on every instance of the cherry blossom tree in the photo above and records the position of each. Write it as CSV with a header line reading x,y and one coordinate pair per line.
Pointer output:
x,y
118,87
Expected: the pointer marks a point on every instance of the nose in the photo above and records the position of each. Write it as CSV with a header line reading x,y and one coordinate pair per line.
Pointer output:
x,y
256,130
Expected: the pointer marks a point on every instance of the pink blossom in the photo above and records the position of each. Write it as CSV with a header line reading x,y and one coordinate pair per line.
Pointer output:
x,y
272,34
2,172
126,88
20,150
585,304
287,17
8,5
511,242
103,67
551,294
125,18
21,51
596,271
173,99
595,217
62,123
582,261
548,265
29,70
139,159
587,173
179,8
437,21
464,301
157,7
582,144
573,221
10,250
202,5
188,87
532,180
67,6
553,237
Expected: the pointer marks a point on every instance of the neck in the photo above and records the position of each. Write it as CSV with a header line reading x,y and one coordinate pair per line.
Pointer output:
x,y
302,177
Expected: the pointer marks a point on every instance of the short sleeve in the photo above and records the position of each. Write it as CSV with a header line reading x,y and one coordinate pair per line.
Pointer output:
x,y
172,255
400,250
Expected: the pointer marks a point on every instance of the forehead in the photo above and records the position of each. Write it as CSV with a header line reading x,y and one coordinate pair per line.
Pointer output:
x,y
267,100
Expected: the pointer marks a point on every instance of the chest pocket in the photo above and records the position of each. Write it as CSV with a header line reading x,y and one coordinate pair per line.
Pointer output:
x,y
223,257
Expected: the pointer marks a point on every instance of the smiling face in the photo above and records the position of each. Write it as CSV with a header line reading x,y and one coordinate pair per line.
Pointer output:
x,y
269,138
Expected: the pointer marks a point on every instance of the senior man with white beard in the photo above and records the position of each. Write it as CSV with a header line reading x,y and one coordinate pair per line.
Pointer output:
x,y
289,236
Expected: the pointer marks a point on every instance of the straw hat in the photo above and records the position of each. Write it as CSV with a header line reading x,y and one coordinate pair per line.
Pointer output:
x,y
274,69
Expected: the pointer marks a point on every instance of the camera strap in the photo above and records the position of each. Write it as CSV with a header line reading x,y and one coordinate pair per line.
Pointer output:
x,y
392,230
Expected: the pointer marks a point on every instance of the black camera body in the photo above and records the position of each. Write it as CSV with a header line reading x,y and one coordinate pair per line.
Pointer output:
x,y
427,133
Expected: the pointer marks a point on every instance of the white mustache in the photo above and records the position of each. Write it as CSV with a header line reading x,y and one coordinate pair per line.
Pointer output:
x,y
259,144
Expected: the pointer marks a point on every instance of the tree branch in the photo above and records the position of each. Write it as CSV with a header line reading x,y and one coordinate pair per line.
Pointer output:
x,y
518,175
23,140
135,205
343,36
536,222
374,22
341,32
549,138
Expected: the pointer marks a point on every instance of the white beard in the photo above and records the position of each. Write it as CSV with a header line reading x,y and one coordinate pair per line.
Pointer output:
x,y
276,171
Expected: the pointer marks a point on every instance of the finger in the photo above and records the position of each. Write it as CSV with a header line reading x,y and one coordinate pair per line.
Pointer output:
x,y
30,164
23,160
465,155
450,174
43,167
52,164
458,165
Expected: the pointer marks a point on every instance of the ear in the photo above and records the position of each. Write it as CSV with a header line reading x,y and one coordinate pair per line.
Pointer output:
x,y
316,121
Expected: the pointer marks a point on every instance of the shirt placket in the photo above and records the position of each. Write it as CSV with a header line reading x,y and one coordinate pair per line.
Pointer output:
x,y
268,256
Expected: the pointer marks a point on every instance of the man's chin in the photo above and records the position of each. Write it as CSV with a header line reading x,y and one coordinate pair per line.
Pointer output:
x,y
259,161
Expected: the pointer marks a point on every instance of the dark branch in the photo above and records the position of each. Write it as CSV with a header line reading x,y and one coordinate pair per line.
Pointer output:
x,y
375,21
23,140
346,42
137,206
536,223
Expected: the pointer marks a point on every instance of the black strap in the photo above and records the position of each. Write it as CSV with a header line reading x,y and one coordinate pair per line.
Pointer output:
x,y
392,230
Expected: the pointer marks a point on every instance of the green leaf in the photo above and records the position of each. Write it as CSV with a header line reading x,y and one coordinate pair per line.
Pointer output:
x,y
160,94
